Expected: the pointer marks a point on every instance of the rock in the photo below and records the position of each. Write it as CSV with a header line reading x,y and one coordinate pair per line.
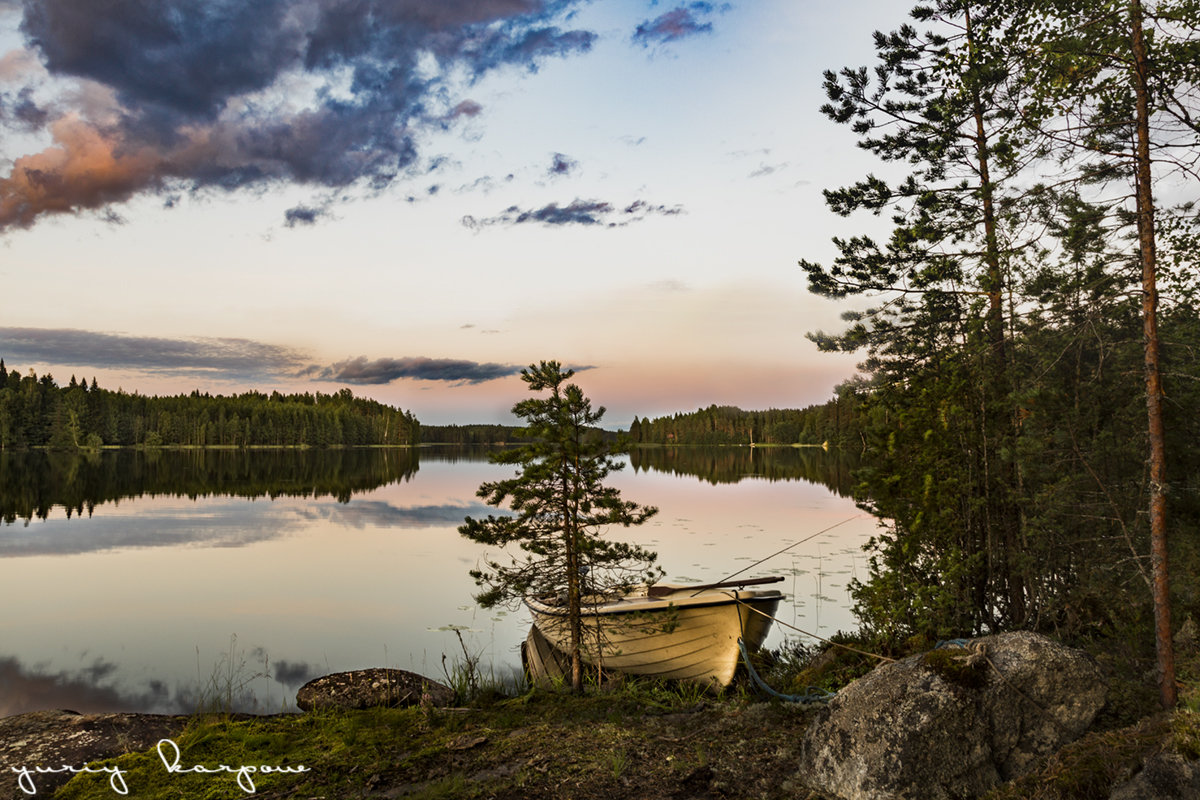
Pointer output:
x,y
950,724
1164,776
367,688
52,739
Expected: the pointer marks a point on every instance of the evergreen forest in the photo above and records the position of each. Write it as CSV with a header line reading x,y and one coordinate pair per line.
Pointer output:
x,y
1024,294
37,412
834,422
481,434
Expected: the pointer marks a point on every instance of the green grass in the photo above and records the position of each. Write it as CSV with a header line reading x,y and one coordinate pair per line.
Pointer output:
x,y
335,748
621,739
346,753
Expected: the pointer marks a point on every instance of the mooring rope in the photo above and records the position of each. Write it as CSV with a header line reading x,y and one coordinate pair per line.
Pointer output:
x,y
778,621
977,652
814,695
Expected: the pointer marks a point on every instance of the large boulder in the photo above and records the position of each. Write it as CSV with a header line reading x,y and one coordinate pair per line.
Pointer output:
x,y
367,688
954,722
1164,775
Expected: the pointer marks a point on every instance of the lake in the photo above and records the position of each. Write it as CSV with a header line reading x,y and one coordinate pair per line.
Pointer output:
x,y
161,581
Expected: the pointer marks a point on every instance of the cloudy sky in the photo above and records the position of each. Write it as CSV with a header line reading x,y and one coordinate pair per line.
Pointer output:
x,y
416,198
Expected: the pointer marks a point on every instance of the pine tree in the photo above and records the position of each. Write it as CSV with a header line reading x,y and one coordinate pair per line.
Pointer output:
x,y
1118,84
560,508
944,101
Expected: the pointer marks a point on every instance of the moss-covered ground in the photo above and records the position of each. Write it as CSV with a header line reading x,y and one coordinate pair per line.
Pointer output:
x,y
605,746
635,740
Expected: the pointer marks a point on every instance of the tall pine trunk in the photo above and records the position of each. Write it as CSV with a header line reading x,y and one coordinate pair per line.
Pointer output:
x,y
1002,520
1154,393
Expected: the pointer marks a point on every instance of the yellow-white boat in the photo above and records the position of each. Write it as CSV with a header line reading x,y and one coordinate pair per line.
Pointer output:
x,y
674,631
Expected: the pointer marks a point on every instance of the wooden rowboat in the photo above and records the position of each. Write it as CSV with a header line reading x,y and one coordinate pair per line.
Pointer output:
x,y
674,631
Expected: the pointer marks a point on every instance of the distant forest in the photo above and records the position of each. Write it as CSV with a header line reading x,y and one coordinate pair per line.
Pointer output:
x,y
37,412
835,422
472,434
484,434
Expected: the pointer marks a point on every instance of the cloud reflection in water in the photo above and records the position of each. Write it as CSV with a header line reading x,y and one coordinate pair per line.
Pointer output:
x,y
217,524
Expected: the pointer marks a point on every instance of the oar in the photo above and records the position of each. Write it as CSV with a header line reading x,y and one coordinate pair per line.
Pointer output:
x,y
663,591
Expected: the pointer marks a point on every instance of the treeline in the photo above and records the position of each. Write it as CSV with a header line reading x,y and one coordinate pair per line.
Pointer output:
x,y
834,422
37,412
1029,320
484,434
472,434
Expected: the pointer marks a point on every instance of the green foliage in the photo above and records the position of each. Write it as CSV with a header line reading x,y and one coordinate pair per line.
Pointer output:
x,y
36,412
560,507
935,415
1004,412
485,435
796,667
833,422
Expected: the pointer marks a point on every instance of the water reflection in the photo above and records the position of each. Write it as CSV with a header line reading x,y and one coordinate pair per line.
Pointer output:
x,y
33,483
217,523
279,566
734,464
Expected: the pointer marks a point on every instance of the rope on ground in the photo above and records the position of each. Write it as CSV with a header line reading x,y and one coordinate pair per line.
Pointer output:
x,y
830,642
978,653
814,695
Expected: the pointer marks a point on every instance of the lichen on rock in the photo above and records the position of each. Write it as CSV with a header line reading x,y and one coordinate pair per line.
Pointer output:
x,y
906,730
368,688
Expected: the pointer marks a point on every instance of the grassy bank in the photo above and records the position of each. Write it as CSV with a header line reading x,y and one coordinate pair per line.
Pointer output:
x,y
554,745
607,745
626,740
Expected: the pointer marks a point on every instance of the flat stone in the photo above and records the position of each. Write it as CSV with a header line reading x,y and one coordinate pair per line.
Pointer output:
x,y
370,688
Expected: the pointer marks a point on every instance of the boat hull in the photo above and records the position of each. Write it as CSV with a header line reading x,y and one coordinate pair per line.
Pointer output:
x,y
681,635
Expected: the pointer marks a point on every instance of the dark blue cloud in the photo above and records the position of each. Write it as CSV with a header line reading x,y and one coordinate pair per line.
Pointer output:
x,y
220,358
168,56
561,164
202,90
578,212
302,215
21,111
678,23
385,370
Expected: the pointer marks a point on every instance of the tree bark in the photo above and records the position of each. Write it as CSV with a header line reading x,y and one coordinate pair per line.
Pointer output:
x,y
1002,544
1154,393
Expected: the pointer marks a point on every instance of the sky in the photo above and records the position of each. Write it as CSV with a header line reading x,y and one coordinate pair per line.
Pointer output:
x,y
415,199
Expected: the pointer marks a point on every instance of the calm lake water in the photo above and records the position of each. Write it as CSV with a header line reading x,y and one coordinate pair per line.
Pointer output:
x,y
160,581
